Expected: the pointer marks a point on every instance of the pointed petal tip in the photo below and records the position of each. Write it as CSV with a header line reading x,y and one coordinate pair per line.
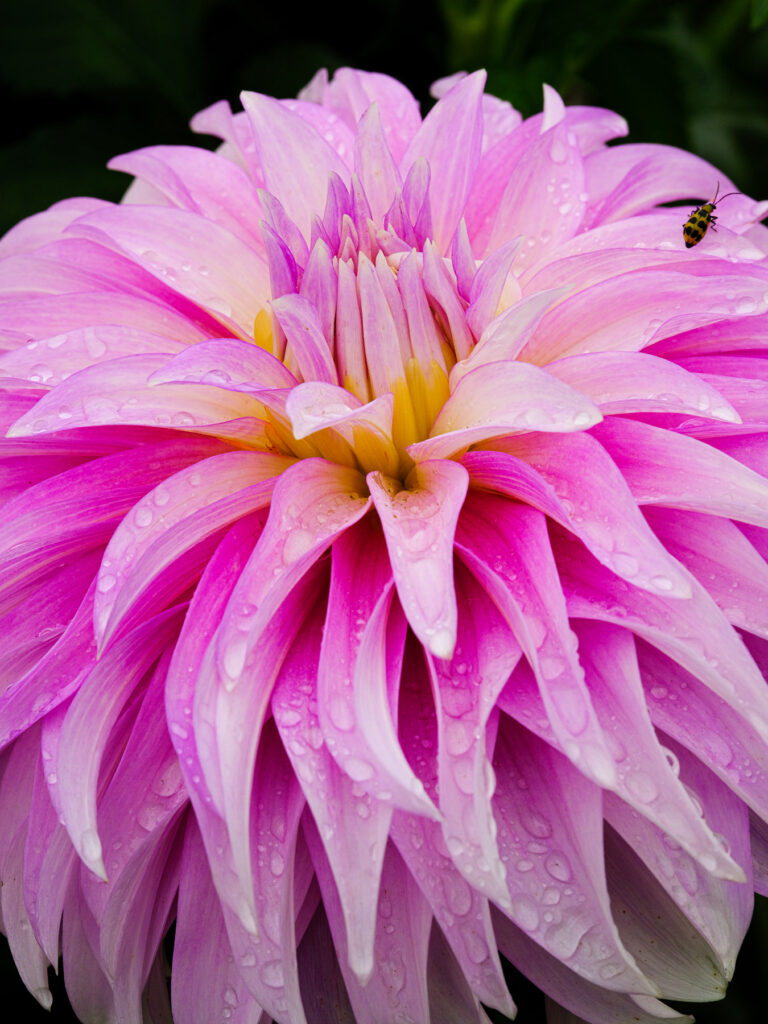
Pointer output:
x,y
442,643
44,997
361,964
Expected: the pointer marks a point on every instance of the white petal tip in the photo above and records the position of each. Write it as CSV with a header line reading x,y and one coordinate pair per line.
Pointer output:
x,y
44,997
441,643
361,964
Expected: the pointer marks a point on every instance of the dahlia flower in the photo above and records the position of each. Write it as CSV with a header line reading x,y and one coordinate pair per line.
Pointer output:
x,y
383,570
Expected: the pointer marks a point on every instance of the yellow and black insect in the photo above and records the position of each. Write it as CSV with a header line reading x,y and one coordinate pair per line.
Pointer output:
x,y
696,226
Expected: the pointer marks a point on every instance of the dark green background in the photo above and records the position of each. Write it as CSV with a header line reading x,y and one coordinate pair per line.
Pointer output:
x,y
83,80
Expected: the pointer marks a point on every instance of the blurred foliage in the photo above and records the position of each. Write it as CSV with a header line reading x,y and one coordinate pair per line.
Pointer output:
x,y
83,80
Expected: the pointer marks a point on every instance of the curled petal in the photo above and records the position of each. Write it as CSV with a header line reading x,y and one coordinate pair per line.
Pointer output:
x,y
419,524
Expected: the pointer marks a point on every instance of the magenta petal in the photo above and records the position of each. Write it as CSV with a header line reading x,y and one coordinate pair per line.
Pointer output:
x,y
359,672
352,827
419,524
89,721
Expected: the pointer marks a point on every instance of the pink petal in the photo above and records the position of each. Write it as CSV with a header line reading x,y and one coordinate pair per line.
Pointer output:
x,y
719,909
551,830
49,315
31,962
643,306
497,399
667,947
664,468
623,382
308,345
58,673
32,232
450,995
78,509
351,93
465,692
49,863
203,974
201,182
543,200
722,559
227,363
571,478
450,138
693,632
506,546
419,524
118,391
267,961
374,164
488,284
186,509
51,360
232,283
462,913
739,761
295,159
588,1001
645,778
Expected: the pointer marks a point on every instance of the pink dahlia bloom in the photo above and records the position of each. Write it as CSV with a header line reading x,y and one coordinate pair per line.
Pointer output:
x,y
383,570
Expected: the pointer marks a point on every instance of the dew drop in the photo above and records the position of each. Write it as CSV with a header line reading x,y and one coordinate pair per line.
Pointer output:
x,y
525,913
106,583
558,867
297,543
143,515
358,769
642,787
